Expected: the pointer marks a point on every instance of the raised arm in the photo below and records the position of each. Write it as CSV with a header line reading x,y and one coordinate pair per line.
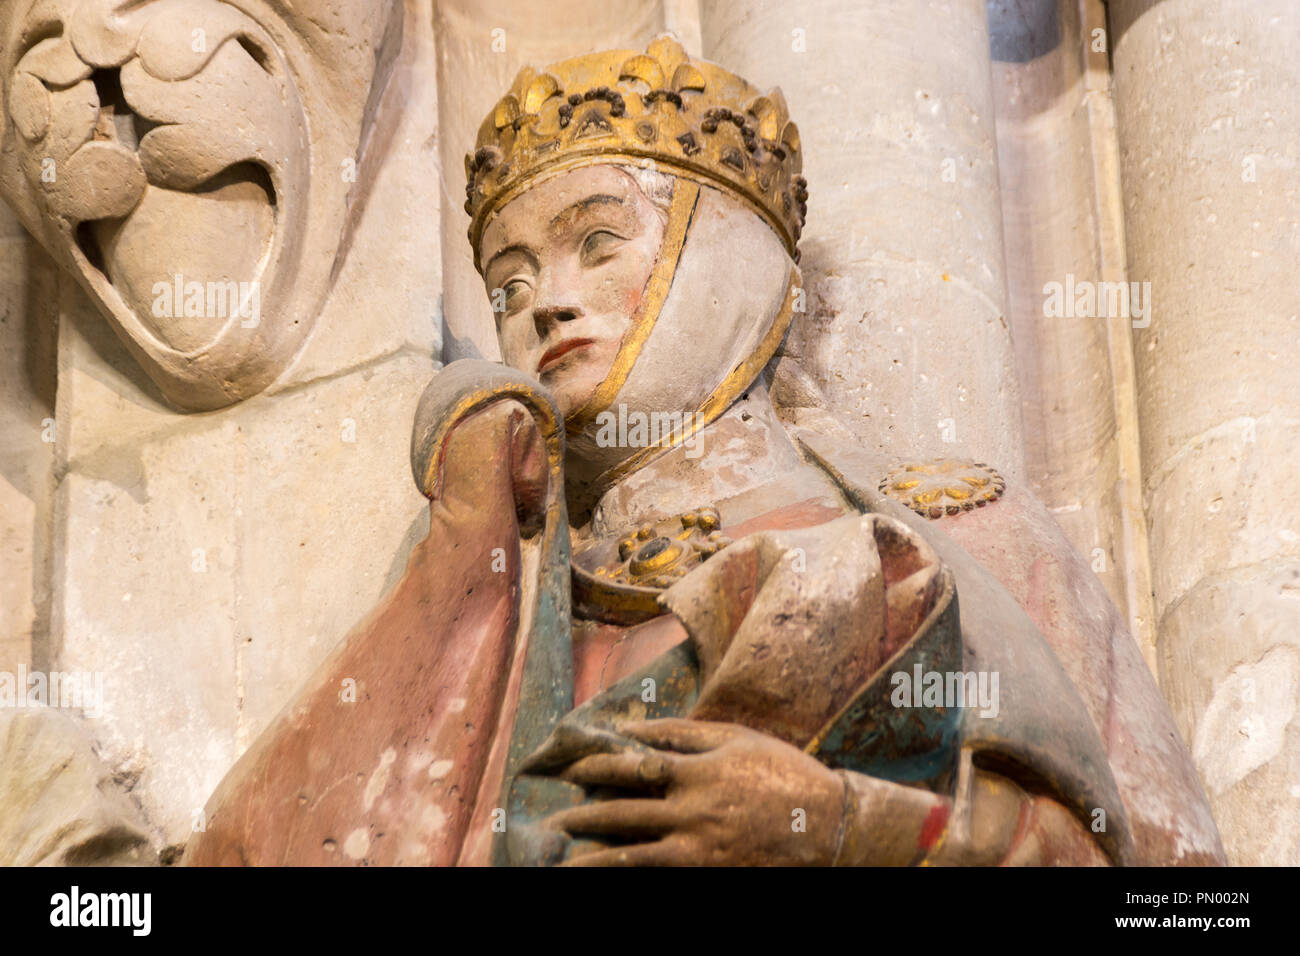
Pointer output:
x,y
380,758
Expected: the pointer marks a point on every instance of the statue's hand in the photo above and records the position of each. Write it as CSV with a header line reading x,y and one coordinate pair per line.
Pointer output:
x,y
714,794
478,448
495,460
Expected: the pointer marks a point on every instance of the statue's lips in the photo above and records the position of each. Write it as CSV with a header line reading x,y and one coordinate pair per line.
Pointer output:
x,y
559,350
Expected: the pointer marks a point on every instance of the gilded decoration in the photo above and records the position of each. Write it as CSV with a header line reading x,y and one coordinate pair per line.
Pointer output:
x,y
946,486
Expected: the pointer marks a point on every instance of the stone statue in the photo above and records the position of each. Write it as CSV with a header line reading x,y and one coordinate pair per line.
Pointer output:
x,y
192,163
668,612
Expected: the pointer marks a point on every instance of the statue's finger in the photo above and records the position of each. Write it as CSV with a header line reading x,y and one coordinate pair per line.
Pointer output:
x,y
679,734
631,818
667,852
632,770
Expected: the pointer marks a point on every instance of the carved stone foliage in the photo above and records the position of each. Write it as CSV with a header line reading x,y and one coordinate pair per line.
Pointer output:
x,y
191,162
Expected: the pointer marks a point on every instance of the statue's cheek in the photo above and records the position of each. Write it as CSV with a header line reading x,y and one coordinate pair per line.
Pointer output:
x,y
513,337
632,298
624,288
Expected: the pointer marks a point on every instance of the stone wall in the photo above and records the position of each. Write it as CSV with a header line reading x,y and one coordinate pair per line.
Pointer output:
x,y
205,562
28,333
1208,102
907,330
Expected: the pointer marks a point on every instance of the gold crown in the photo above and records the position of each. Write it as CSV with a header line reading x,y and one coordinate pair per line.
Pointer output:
x,y
660,108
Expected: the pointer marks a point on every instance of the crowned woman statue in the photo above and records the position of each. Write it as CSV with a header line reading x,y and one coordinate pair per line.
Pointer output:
x,y
668,611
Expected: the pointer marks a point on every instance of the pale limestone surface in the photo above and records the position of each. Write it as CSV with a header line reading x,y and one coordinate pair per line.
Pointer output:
x,y
205,563
62,805
1208,103
1061,215
201,613
906,331
27,345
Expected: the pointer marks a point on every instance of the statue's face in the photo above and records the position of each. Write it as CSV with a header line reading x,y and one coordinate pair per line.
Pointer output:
x,y
570,257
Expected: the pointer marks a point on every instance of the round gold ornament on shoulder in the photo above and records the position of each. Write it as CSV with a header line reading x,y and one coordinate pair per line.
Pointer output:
x,y
944,486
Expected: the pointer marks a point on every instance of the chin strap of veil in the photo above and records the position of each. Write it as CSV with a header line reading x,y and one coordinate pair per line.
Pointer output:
x,y
681,212
732,386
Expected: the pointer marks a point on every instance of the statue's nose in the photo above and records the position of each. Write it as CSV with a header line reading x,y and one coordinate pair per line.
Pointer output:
x,y
552,307
548,315
555,300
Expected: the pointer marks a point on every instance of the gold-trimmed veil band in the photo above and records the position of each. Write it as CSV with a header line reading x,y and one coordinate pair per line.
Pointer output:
x,y
681,211
727,391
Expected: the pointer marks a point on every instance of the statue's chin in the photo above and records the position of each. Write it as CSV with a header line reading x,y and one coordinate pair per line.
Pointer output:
x,y
574,383
571,396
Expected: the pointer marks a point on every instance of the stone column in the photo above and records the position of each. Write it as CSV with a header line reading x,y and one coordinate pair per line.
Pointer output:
x,y
1208,103
482,44
907,328
1063,220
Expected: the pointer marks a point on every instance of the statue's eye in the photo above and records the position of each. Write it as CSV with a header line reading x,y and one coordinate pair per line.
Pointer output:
x,y
599,246
515,290
516,294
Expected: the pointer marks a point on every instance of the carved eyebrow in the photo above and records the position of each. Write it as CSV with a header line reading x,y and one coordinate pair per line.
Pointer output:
x,y
584,204
599,199
517,247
